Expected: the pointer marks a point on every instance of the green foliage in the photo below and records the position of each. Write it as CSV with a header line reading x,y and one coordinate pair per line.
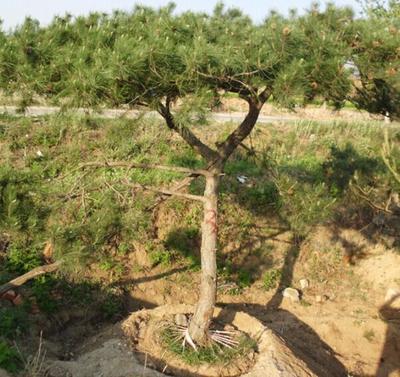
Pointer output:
x,y
213,354
20,199
263,195
144,55
376,55
10,360
42,288
184,241
21,258
158,255
244,278
304,205
102,227
243,166
111,306
343,163
271,279
13,322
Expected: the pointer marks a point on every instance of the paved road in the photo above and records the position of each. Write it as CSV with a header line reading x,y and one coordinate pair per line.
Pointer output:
x,y
116,113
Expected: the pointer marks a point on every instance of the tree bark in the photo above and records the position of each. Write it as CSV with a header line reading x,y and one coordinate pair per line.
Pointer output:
x,y
200,322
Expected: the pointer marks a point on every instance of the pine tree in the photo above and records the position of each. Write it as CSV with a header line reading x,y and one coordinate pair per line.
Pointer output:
x,y
155,58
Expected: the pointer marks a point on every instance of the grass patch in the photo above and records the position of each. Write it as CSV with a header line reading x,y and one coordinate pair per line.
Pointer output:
x,y
213,354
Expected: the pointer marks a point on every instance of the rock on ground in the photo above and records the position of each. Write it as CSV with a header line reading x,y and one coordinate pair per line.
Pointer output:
x,y
292,294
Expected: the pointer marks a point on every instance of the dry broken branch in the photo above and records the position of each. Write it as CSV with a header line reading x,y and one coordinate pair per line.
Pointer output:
x,y
132,165
20,280
360,193
165,191
386,152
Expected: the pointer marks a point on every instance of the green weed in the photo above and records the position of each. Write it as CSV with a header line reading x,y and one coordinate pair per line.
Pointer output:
x,y
244,278
271,279
111,306
160,256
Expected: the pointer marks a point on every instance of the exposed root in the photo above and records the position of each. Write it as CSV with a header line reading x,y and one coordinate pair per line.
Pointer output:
x,y
189,340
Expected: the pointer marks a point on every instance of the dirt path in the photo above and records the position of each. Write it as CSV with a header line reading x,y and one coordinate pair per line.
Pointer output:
x,y
322,115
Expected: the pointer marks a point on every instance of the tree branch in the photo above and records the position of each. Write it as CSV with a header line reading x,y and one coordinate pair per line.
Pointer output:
x,y
133,165
205,151
227,147
180,185
166,191
359,192
231,84
28,276
264,95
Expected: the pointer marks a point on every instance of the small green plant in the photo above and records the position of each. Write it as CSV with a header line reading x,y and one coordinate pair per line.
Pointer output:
x,y
212,354
264,194
10,359
107,264
244,278
111,306
21,257
271,279
123,248
42,288
20,204
160,257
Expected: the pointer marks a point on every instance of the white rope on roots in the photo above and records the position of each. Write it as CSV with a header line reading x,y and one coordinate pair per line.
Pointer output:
x,y
224,338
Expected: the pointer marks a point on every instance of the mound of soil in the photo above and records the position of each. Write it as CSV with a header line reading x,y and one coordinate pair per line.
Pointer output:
x,y
274,357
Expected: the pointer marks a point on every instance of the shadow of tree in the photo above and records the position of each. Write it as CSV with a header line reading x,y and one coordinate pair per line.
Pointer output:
x,y
390,357
304,342
185,241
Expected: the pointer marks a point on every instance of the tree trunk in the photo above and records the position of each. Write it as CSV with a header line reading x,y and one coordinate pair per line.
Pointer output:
x,y
199,325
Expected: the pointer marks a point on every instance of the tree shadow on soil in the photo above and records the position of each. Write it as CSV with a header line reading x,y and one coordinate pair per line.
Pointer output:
x,y
390,357
303,341
148,278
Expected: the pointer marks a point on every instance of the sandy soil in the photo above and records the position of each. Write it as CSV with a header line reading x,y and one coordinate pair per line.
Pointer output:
x,y
348,319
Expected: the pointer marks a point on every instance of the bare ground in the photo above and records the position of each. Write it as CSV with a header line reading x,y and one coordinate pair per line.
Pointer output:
x,y
341,322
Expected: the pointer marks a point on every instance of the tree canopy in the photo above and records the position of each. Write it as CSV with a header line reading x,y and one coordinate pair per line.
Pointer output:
x,y
376,54
145,55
